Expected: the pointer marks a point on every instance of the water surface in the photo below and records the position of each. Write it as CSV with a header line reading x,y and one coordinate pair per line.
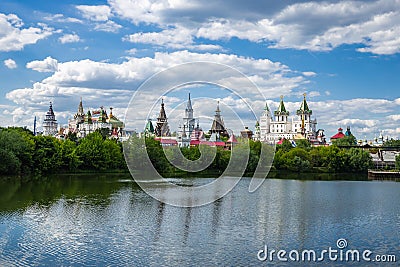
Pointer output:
x,y
92,220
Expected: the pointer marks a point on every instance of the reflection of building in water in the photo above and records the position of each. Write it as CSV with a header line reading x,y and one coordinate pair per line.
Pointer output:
x,y
272,129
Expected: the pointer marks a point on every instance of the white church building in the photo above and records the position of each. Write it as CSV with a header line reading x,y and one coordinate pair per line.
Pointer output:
x,y
272,129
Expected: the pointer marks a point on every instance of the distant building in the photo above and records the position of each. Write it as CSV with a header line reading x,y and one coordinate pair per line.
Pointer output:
x,y
218,126
149,129
246,133
50,124
162,128
189,120
83,124
338,135
183,140
271,130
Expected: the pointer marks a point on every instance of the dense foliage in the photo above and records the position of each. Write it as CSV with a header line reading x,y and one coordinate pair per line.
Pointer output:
x,y
398,162
350,140
23,153
331,158
392,143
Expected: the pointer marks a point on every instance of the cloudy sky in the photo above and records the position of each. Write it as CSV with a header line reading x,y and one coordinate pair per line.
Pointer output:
x,y
344,54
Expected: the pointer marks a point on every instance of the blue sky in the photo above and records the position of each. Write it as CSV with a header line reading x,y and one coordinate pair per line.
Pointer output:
x,y
344,54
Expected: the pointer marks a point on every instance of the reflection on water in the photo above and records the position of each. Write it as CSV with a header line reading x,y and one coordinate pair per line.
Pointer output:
x,y
102,220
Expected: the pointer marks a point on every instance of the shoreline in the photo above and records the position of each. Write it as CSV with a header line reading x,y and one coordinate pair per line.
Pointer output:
x,y
273,174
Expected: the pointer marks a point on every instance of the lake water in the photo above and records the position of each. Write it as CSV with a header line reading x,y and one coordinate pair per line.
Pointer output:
x,y
97,220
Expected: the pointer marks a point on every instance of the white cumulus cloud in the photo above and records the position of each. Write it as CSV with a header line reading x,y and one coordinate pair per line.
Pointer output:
x,y
69,38
312,25
14,37
49,64
10,63
95,13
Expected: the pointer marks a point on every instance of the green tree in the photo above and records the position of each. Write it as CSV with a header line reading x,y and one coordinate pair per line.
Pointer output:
x,y
9,163
336,159
304,144
392,143
346,141
112,152
285,146
398,162
359,160
16,145
297,159
46,157
90,151
67,155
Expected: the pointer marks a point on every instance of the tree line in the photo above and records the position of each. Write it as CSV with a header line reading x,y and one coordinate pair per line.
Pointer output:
x,y
22,153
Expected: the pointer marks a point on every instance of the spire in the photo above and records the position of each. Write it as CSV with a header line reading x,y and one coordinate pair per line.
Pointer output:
x,y
162,128
218,125
88,118
50,114
189,104
281,109
50,123
218,111
348,131
304,107
266,108
162,110
80,108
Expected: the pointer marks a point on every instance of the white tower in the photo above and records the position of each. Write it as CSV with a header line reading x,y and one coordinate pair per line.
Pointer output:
x,y
188,120
50,123
265,123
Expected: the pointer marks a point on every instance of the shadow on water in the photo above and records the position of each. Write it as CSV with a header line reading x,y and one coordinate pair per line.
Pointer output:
x,y
318,176
17,194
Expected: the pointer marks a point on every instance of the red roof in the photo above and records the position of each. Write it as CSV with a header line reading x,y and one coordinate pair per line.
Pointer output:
x,y
219,143
339,135
167,141
208,143
280,141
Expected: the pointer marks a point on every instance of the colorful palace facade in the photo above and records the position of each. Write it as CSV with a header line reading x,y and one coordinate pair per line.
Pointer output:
x,y
85,123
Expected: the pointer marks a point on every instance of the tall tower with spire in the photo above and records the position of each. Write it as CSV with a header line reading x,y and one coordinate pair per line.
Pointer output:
x,y
162,128
281,114
50,123
80,115
218,125
307,125
265,121
188,120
